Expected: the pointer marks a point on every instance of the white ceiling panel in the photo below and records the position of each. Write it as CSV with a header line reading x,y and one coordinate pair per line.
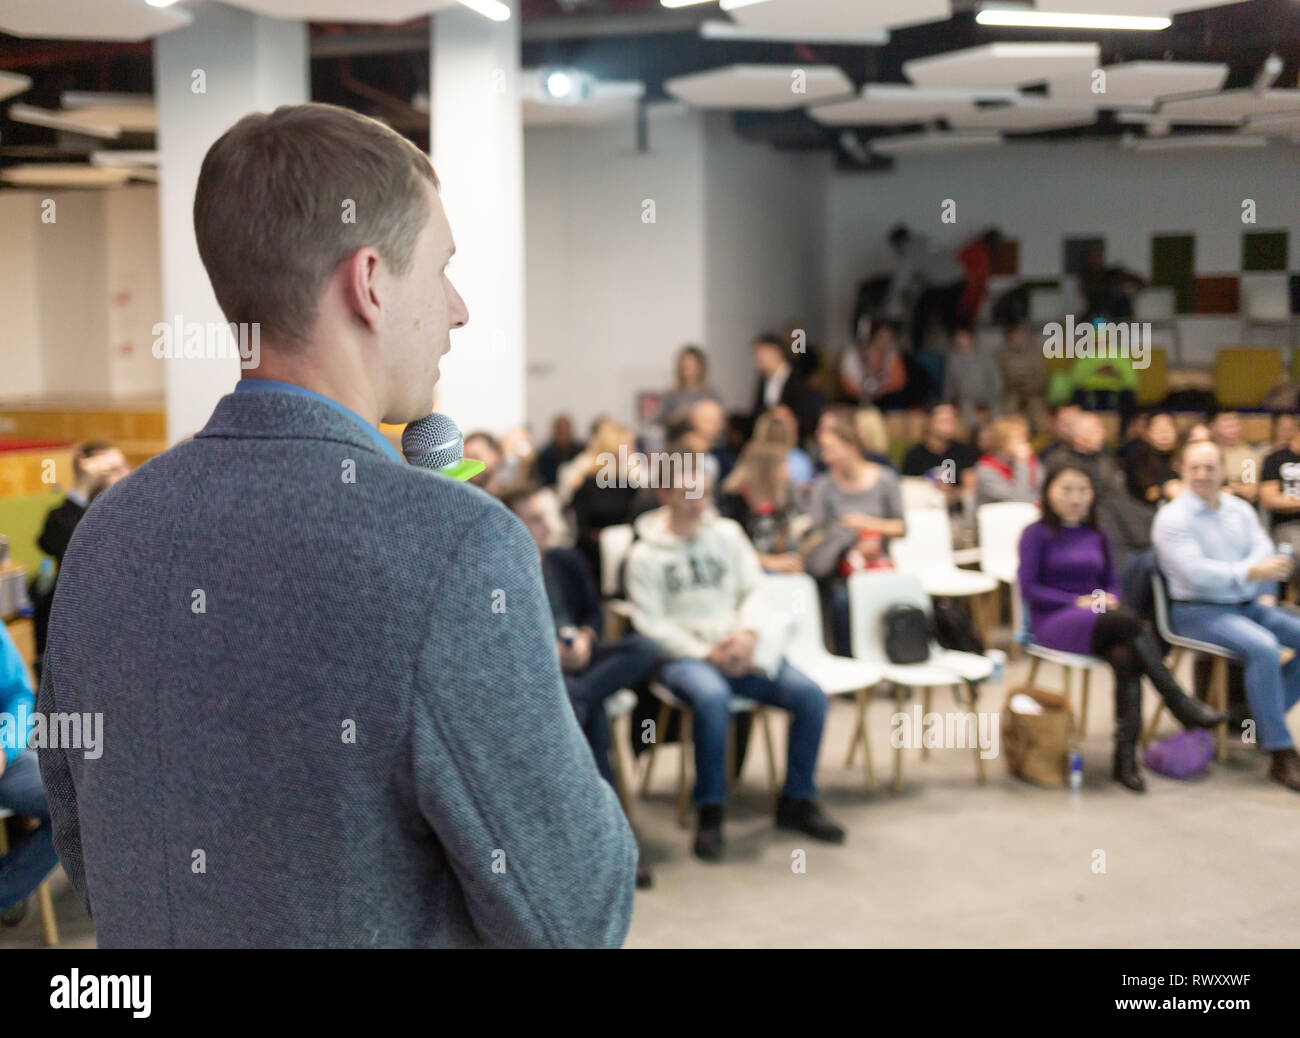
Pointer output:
x,y
1004,64
1233,105
89,19
759,86
882,104
834,17
1140,82
345,10
1024,118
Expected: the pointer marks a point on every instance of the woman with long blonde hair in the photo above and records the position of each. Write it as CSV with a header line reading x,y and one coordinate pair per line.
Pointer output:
x,y
758,495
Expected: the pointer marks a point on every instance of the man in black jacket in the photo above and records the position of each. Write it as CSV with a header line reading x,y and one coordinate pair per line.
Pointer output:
x,y
780,383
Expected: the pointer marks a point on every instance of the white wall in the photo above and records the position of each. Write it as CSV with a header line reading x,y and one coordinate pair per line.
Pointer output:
x,y
20,329
609,297
737,246
766,249
72,292
1043,192
80,294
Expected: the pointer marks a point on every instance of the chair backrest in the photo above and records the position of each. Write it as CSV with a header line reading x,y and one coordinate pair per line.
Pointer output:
x,y
927,543
795,595
1266,297
919,492
871,594
1155,304
1160,602
615,542
1000,525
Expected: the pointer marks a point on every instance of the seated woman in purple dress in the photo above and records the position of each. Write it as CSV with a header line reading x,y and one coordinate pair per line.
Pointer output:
x,y
1071,592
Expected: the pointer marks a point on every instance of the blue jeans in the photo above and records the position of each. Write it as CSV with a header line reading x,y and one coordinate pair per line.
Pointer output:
x,y
614,665
31,858
709,692
1255,633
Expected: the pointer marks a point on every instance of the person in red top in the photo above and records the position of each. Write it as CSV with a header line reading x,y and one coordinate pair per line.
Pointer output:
x,y
976,257
1010,470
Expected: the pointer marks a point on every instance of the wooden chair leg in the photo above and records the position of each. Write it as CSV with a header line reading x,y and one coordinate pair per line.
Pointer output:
x,y
1034,661
925,712
864,698
898,753
1149,732
765,719
1083,709
619,763
661,726
851,756
980,776
49,925
683,790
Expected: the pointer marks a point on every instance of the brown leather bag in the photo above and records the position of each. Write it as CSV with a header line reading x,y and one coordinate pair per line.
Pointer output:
x,y
1037,746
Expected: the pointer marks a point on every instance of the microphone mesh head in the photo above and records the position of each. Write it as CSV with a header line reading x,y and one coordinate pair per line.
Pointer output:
x,y
433,442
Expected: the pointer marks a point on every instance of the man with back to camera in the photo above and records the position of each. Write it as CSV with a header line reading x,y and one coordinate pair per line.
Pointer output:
x,y
333,709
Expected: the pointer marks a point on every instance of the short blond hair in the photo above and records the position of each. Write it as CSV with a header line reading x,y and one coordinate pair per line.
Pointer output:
x,y
271,202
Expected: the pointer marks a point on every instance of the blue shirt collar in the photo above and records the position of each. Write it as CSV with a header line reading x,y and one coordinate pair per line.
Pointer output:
x,y
266,385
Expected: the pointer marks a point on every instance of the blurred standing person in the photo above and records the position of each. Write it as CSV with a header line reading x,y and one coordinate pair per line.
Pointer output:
x,y
779,383
934,278
1024,376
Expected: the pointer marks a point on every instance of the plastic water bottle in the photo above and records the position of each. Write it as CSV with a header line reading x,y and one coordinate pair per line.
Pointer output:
x,y
999,659
1076,770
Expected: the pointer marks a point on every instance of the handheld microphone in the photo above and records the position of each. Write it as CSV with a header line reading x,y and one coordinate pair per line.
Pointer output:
x,y
435,443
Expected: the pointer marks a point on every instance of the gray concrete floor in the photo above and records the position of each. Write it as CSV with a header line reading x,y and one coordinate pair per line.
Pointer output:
x,y
949,863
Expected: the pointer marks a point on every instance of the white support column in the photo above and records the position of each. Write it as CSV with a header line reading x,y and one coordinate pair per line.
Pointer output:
x,y
477,147
224,65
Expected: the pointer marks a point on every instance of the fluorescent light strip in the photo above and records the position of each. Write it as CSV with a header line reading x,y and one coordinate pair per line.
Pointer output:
x,y
1051,20
493,9
717,29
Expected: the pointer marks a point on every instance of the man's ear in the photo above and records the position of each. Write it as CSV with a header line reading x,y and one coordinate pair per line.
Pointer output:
x,y
362,279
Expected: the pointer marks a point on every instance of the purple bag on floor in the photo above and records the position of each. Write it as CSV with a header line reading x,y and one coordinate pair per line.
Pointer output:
x,y
1181,756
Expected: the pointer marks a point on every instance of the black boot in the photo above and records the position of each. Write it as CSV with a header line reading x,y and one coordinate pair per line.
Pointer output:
x,y
708,833
1128,723
1189,712
807,817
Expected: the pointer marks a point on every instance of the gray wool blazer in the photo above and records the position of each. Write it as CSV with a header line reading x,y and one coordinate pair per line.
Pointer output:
x,y
333,713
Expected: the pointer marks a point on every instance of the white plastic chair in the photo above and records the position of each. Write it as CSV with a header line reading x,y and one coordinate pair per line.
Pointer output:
x,y
796,593
871,594
1069,662
618,707
919,492
1000,525
615,542
926,551
1217,692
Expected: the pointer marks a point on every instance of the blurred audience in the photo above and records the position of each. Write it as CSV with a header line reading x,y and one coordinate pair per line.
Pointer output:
x,y
1149,473
690,386
942,458
1010,471
562,448
779,383
760,497
971,381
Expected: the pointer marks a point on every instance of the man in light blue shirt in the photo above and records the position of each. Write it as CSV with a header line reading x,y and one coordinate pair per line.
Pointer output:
x,y
1222,570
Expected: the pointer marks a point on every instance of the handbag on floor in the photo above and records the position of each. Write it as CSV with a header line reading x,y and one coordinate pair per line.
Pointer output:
x,y
1036,745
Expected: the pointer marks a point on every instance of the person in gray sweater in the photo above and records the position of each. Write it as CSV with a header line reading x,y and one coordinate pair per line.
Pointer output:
x,y
971,381
332,706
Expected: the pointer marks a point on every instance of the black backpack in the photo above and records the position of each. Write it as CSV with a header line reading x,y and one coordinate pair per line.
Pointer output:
x,y
907,634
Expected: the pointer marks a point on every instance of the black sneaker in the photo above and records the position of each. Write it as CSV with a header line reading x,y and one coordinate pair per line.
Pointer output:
x,y
806,816
708,834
